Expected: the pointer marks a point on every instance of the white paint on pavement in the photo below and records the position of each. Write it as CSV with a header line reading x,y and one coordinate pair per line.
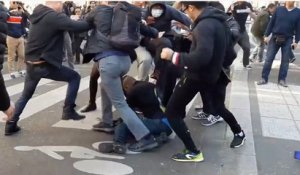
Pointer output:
x,y
48,99
18,88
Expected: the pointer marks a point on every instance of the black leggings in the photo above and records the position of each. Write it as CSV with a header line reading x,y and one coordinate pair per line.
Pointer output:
x,y
94,83
184,92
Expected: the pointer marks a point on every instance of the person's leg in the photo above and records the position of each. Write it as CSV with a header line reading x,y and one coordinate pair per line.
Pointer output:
x,y
245,44
254,52
11,54
219,94
21,55
184,92
70,76
94,76
32,78
284,66
68,50
271,53
144,61
111,69
261,50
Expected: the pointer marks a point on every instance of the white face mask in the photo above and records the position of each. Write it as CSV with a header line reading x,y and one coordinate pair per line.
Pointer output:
x,y
156,13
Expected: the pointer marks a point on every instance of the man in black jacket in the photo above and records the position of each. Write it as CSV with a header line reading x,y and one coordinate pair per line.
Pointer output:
x,y
44,53
203,67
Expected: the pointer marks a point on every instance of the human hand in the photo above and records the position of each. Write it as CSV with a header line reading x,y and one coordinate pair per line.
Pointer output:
x,y
166,54
294,46
10,111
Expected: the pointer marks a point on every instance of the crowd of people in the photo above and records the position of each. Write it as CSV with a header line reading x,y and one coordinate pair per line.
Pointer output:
x,y
190,41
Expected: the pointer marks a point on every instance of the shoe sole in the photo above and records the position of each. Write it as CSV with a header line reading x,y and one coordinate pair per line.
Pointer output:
x,y
180,160
210,124
73,119
148,147
12,133
104,130
237,146
197,118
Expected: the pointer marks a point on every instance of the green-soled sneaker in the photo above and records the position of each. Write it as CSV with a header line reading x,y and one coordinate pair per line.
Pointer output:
x,y
187,156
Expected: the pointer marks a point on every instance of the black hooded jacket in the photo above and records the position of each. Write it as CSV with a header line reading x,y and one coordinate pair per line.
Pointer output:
x,y
205,59
163,23
45,40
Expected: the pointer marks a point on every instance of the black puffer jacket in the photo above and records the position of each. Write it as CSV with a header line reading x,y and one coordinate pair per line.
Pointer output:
x,y
3,32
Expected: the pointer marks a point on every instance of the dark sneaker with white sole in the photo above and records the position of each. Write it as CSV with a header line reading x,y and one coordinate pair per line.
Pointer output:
x,y
103,127
211,120
238,140
112,148
144,144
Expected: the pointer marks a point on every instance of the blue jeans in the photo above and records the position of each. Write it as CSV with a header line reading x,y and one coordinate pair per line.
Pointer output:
x,y
271,53
36,72
155,126
111,69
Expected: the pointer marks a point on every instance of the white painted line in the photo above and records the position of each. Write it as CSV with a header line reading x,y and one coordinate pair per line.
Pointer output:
x,y
18,88
48,99
85,124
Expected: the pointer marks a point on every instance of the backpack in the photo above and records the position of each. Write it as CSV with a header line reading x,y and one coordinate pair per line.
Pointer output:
x,y
125,27
233,34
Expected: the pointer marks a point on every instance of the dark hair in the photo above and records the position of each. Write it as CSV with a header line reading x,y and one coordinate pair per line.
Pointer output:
x,y
197,4
271,5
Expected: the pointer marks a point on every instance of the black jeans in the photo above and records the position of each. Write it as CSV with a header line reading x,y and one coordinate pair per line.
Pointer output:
x,y
184,92
94,76
36,72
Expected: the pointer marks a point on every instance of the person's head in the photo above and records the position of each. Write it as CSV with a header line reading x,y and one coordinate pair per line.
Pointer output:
x,y
55,5
14,4
240,1
157,10
93,4
77,11
271,8
290,4
128,83
193,8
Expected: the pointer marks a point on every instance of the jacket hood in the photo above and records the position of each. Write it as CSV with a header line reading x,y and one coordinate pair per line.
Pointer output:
x,y
211,12
39,13
162,4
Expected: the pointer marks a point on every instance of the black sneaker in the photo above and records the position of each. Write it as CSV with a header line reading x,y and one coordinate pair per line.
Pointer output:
x,y
119,148
11,128
162,138
105,147
72,115
144,144
200,116
89,107
103,127
187,156
238,140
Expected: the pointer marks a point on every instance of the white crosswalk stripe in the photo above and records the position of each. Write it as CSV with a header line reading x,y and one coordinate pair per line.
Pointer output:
x,y
48,99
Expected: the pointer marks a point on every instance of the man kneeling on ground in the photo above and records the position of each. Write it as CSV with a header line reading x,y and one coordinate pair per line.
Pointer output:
x,y
140,95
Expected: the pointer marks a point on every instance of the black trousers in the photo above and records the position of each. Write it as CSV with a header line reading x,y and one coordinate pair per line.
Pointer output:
x,y
184,92
94,76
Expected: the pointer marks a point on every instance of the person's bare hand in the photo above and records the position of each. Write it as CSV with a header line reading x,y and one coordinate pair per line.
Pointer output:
x,y
10,112
166,54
